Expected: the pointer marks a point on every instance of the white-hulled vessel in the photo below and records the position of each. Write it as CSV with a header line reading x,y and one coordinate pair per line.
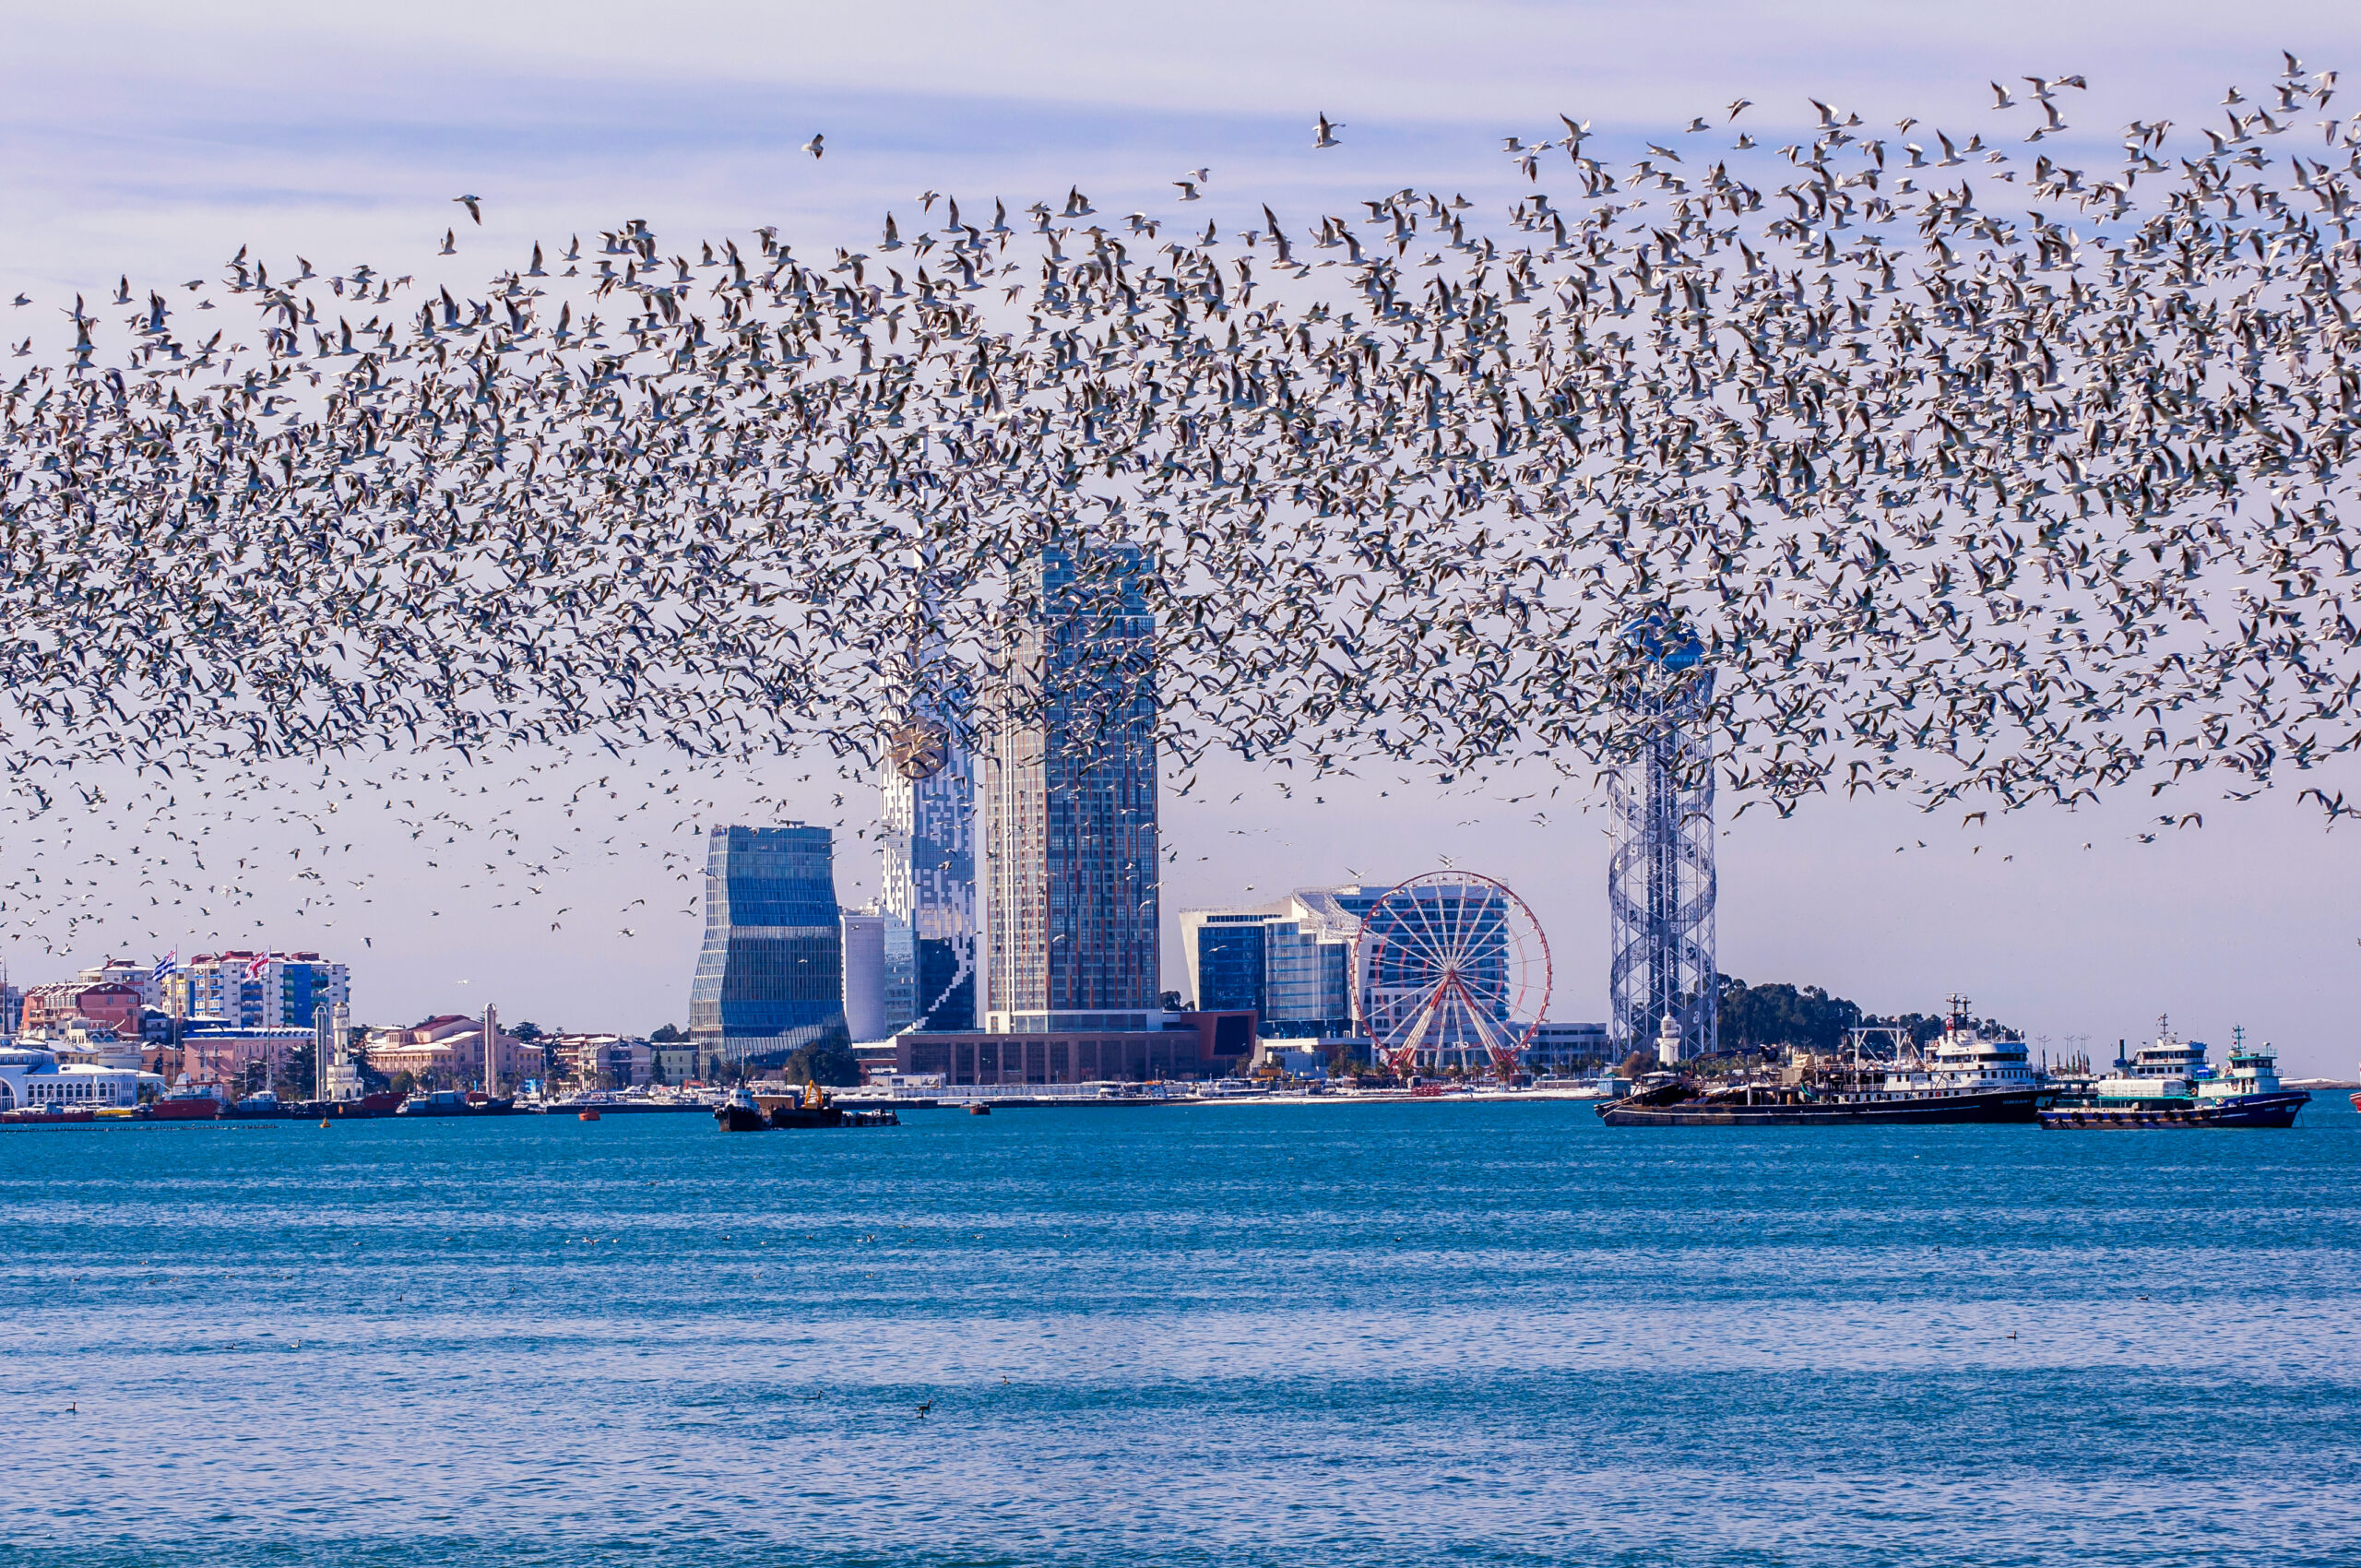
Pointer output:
x,y
2168,1084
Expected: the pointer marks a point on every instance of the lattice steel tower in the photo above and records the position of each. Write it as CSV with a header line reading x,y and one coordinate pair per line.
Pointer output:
x,y
1660,883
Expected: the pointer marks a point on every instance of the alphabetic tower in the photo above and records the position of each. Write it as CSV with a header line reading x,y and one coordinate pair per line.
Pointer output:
x,y
1660,883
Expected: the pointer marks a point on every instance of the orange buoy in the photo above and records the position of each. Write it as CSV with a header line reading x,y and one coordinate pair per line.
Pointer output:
x,y
590,1116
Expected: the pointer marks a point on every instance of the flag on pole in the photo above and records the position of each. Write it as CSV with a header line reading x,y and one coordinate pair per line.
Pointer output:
x,y
169,964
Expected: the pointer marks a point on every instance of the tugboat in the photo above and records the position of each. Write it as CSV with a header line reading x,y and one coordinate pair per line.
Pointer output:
x,y
1966,1077
739,1113
2169,1085
457,1102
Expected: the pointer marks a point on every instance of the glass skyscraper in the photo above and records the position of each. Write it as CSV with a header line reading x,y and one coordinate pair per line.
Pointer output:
x,y
1072,801
770,979
927,812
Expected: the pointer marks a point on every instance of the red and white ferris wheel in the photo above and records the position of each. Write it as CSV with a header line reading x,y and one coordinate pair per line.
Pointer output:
x,y
1450,970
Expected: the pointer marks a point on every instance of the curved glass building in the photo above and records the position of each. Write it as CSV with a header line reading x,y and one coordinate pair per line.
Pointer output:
x,y
770,979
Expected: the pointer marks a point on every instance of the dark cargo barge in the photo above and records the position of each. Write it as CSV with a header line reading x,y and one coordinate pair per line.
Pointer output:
x,y
1965,1077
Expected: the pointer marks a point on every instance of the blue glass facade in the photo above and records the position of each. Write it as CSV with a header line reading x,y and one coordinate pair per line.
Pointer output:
x,y
1229,968
770,978
1290,962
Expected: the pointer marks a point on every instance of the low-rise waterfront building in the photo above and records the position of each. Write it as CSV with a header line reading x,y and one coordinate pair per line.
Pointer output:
x,y
447,1050
31,1076
604,1062
672,1061
1134,1047
218,1051
1569,1048
86,1043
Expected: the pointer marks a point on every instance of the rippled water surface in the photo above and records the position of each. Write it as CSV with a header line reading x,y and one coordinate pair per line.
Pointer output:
x,y
1299,1335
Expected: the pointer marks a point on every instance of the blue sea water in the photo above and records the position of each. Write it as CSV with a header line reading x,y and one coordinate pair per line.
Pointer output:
x,y
1287,1335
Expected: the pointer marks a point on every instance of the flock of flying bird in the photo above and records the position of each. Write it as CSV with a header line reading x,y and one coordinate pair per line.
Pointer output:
x,y
1976,475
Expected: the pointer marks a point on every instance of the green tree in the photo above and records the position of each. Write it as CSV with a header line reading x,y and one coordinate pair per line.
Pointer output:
x,y
824,1063
302,1073
372,1080
1768,1018
667,1035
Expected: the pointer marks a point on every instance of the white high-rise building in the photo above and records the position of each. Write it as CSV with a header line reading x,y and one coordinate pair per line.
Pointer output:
x,y
865,1009
262,990
929,904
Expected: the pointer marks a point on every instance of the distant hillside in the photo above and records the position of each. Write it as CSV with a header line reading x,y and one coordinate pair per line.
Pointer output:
x,y
1769,1017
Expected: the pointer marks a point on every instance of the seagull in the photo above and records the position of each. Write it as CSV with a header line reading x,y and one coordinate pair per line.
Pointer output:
x,y
1379,441
470,203
1323,132
814,147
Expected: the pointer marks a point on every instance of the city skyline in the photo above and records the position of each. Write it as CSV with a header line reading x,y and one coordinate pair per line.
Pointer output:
x,y
1282,582
210,141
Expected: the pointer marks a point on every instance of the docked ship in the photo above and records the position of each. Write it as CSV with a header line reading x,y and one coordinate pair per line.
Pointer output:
x,y
811,1105
1961,1077
187,1102
2169,1085
740,1114
457,1102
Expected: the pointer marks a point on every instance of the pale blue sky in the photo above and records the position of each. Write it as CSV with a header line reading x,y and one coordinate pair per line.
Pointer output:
x,y
154,139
